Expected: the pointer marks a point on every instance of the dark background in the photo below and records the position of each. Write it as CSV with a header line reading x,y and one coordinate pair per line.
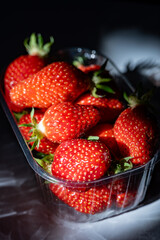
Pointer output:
x,y
73,23
78,23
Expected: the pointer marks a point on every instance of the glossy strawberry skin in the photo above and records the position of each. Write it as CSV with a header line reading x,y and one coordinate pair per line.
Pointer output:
x,y
21,68
93,201
57,82
135,131
67,121
89,68
105,133
109,108
81,160
45,146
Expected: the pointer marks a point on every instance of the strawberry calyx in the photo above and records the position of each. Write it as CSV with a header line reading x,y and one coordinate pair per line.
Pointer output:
x,y
120,166
99,82
36,47
18,115
138,98
45,161
97,79
37,135
79,61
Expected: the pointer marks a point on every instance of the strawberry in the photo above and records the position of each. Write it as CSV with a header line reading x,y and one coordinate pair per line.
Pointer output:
x,y
92,201
55,83
67,120
81,160
90,68
45,145
117,186
106,135
79,62
135,131
25,65
125,199
109,108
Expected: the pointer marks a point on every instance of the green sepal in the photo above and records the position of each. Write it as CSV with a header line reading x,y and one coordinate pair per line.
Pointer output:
x,y
105,88
99,82
36,136
78,61
18,115
35,45
121,165
45,162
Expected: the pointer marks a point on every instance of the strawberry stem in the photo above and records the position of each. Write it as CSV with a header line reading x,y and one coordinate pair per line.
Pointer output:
x,y
35,46
93,138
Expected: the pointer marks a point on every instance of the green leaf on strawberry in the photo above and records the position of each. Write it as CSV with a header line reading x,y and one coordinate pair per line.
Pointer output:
x,y
36,46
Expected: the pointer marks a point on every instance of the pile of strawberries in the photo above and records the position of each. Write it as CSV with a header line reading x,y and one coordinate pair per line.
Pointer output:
x,y
74,117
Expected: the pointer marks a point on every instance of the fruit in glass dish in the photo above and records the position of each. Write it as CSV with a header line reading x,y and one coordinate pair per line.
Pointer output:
x,y
55,83
84,178
105,133
81,160
92,201
136,131
45,146
26,65
109,107
63,121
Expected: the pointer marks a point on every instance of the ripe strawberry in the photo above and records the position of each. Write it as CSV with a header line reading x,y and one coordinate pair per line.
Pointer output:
x,y
90,68
45,145
117,186
55,83
109,108
81,160
79,62
95,200
125,199
106,135
135,131
25,65
67,121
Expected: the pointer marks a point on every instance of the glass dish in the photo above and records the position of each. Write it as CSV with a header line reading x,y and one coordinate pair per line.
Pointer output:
x,y
134,181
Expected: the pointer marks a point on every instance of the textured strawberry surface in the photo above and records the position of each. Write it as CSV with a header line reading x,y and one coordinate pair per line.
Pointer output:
x,y
109,108
67,120
95,200
57,82
81,160
45,145
135,131
21,68
105,133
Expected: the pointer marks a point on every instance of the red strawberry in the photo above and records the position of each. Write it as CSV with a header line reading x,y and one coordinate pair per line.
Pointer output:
x,y
89,68
95,200
81,160
117,186
55,83
79,62
109,108
125,199
135,131
106,135
25,66
45,145
67,120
